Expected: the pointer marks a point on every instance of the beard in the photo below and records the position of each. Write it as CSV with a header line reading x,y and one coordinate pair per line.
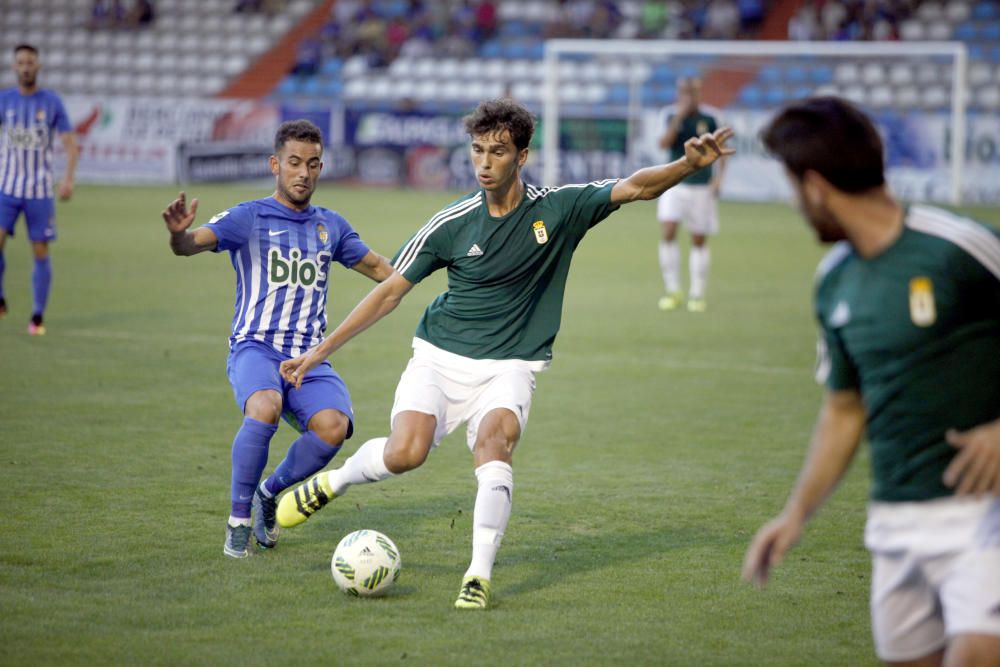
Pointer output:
x,y
27,79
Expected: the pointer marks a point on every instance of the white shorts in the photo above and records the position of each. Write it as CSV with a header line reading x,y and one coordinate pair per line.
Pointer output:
x,y
692,205
935,573
457,389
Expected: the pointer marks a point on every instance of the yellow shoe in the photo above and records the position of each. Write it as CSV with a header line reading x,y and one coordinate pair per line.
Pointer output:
x,y
475,594
697,305
302,502
671,301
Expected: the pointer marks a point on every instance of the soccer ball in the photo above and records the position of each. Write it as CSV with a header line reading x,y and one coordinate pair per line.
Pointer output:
x,y
365,563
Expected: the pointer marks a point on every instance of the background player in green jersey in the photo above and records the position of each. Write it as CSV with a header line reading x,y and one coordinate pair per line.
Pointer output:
x,y
908,303
507,248
694,202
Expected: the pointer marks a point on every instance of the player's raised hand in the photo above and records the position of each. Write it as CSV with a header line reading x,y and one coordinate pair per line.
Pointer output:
x,y
976,468
709,147
177,216
769,547
293,370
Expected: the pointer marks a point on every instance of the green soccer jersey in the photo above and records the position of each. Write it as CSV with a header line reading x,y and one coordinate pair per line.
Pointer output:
x,y
705,119
507,275
916,330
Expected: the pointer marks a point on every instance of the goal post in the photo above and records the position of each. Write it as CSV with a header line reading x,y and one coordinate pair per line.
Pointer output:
x,y
558,51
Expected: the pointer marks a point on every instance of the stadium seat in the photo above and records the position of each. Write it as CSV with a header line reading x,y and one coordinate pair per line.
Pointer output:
x,y
911,30
900,74
751,96
930,11
907,97
980,73
985,10
881,97
857,94
939,31
873,74
934,97
988,98
289,85
956,12
846,73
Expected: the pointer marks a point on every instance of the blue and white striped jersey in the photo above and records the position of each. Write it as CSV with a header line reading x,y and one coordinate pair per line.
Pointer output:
x,y
28,126
282,258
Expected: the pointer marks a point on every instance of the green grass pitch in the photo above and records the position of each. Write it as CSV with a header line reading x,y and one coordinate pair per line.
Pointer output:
x,y
658,443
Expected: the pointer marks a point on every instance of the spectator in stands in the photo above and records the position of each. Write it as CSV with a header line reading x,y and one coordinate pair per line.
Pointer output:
x,y
309,57
722,20
141,15
106,14
652,19
486,20
804,24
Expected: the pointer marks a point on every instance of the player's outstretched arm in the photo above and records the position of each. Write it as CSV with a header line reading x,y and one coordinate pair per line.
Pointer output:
x,y
834,442
375,266
179,220
976,468
381,301
651,182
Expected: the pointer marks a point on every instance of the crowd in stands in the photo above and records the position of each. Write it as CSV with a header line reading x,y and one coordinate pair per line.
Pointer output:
x,y
134,14
383,30
849,20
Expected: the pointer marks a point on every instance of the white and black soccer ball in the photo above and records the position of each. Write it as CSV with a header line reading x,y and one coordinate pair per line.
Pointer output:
x,y
365,563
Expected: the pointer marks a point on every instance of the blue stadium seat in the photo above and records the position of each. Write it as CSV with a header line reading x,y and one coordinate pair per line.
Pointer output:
x,y
770,74
491,48
775,96
796,74
332,66
990,32
985,9
965,32
751,95
821,74
618,94
289,85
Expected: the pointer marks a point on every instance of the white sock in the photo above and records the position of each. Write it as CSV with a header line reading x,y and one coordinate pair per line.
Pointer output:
x,y
235,521
365,466
698,263
670,259
490,516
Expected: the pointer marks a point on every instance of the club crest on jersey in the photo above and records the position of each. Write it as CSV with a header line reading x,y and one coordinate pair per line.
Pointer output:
x,y
923,312
295,270
40,115
541,234
324,235
701,127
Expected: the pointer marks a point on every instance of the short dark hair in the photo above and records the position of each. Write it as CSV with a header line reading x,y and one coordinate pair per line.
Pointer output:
x,y
25,47
502,114
297,130
830,136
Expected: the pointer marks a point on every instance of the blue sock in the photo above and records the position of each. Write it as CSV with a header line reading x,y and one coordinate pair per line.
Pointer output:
x,y
41,280
307,455
3,267
249,458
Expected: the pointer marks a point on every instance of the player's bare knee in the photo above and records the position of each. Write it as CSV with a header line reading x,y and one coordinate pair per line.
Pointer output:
x,y
970,650
405,452
330,426
264,406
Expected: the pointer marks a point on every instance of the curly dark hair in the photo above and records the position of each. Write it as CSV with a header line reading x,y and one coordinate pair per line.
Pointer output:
x,y
502,114
297,130
830,136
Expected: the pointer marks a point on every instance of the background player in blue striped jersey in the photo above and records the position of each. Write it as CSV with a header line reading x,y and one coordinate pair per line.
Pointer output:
x,y
507,248
282,248
908,302
30,118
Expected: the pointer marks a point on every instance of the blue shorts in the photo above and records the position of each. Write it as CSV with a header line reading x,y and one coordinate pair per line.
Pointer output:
x,y
39,214
253,366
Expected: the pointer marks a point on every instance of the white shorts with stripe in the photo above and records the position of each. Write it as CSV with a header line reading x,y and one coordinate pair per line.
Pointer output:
x,y
935,573
457,389
692,205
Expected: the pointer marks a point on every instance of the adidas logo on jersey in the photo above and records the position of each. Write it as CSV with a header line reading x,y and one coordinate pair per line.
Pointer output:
x,y
474,251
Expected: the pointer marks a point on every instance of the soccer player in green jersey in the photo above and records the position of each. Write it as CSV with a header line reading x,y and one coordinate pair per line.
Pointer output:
x,y
507,248
694,202
908,303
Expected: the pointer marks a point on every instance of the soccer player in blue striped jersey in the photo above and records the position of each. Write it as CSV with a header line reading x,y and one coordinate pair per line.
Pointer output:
x,y
908,303
282,249
507,248
30,119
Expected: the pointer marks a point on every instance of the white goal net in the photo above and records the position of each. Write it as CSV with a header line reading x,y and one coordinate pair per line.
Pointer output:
x,y
915,91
